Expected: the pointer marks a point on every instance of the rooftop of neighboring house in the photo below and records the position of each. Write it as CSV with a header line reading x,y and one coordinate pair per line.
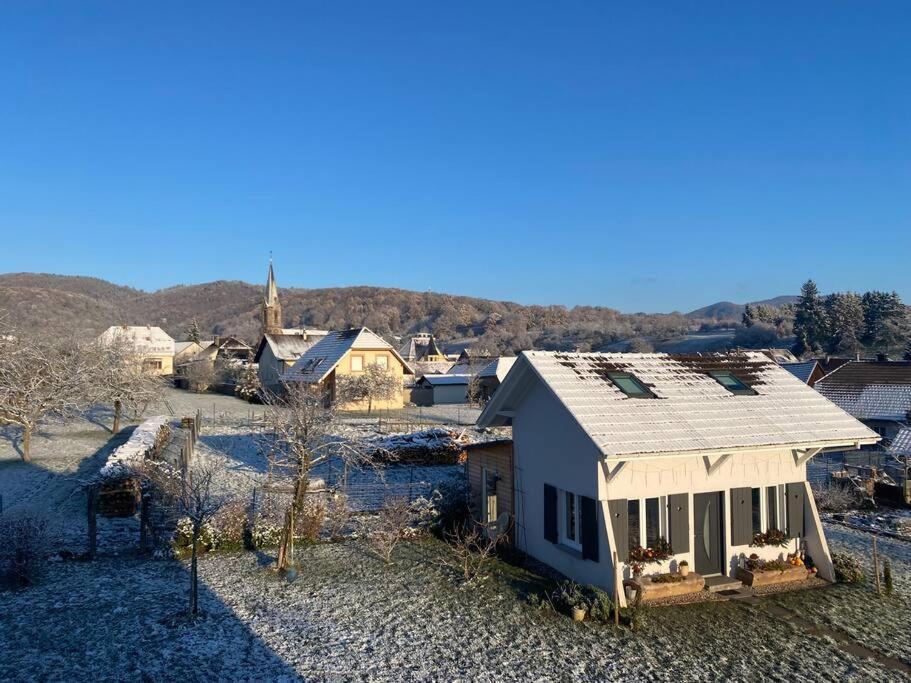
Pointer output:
x,y
498,368
444,380
290,345
870,389
901,444
802,370
419,347
657,403
321,359
146,338
780,356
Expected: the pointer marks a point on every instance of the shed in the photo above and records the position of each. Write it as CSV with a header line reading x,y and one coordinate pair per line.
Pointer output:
x,y
431,390
489,471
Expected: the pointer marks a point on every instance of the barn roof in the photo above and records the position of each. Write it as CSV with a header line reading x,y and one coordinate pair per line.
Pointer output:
x,y
687,409
870,390
321,358
441,380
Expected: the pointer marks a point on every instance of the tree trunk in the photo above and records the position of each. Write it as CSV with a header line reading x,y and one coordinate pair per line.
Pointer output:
x,y
369,404
194,603
286,548
26,444
117,411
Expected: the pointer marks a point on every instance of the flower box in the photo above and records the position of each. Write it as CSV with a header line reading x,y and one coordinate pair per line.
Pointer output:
x,y
770,577
648,590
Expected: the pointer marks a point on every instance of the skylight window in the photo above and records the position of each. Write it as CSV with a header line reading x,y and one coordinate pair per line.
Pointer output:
x,y
731,383
629,385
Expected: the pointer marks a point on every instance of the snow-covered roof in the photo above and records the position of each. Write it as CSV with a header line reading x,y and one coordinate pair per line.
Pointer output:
x,y
870,390
145,338
901,444
287,346
802,371
181,346
323,356
690,411
440,380
498,368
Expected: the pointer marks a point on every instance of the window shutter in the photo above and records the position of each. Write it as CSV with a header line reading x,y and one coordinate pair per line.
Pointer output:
x,y
589,530
796,493
620,522
741,516
679,522
550,513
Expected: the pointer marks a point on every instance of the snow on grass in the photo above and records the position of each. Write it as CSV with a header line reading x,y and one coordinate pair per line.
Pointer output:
x,y
349,616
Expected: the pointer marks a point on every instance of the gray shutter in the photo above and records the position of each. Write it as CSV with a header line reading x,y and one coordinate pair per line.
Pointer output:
x,y
741,516
796,493
589,528
679,522
550,513
619,517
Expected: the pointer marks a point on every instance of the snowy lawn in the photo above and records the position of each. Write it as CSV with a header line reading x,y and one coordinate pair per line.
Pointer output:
x,y
349,616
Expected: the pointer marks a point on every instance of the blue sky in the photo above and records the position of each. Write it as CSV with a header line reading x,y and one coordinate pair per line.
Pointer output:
x,y
652,158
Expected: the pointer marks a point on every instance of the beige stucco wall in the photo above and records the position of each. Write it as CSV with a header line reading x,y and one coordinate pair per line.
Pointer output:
x,y
167,364
369,356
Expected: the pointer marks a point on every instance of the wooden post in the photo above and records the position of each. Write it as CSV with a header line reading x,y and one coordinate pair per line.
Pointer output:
x,y
143,521
879,590
616,593
91,514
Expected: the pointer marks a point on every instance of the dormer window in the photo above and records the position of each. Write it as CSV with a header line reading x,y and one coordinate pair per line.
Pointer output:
x,y
731,383
629,385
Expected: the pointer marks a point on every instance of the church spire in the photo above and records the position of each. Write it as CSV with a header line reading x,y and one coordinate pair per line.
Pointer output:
x,y
272,308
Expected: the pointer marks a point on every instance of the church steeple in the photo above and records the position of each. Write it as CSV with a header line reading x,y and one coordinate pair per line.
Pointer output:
x,y
272,308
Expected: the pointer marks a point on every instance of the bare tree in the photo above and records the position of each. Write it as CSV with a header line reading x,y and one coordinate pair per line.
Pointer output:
x,y
200,374
120,380
193,496
376,383
390,527
471,545
40,378
305,436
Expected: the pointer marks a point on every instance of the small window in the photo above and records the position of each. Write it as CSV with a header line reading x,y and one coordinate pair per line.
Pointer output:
x,y
756,499
382,361
632,513
629,385
569,528
771,508
731,383
652,522
357,363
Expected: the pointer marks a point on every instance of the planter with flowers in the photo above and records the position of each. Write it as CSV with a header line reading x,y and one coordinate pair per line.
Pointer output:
x,y
754,571
660,585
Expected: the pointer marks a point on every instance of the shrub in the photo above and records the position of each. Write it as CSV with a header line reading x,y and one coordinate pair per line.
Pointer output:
x,y
265,535
338,515
847,569
601,605
23,546
230,525
453,511
569,595
833,497
309,522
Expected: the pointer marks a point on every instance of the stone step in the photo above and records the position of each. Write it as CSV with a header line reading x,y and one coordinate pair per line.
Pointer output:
x,y
716,584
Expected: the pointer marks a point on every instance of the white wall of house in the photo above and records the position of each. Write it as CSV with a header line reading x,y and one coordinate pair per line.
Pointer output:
x,y
663,476
550,448
270,368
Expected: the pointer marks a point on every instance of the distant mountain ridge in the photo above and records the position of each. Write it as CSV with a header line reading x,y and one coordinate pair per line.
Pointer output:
x,y
57,304
726,310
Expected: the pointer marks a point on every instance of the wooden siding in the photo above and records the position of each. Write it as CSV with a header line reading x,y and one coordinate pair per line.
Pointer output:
x,y
497,458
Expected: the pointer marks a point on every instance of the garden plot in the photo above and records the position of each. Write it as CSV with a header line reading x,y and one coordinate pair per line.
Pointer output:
x,y
350,617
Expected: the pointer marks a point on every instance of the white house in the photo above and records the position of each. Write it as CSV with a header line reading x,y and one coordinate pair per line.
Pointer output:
x,y
154,347
612,451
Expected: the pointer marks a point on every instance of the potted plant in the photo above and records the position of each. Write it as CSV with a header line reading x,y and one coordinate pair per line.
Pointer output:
x,y
580,609
637,569
683,568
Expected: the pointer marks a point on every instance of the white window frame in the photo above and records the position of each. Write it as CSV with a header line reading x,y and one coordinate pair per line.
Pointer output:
x,y
382,361
575,544
360,357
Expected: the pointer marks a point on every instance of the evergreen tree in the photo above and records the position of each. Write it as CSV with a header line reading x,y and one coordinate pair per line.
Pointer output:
x,y
907,355
193,333
809,320
885,320
749,316
845,318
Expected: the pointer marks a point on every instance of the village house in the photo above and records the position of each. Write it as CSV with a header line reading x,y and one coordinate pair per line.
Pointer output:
x,y
424,355
154,347
349,352
489,379
433,390
617,452
472,360
878,393
184,351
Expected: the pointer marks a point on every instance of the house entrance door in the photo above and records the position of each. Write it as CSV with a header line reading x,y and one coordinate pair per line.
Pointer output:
x,y
709,540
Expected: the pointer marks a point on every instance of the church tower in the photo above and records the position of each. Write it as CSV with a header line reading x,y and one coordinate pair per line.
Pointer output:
x,y
272,308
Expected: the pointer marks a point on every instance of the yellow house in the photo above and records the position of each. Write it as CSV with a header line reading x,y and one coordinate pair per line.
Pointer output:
x,y
154,347
349,352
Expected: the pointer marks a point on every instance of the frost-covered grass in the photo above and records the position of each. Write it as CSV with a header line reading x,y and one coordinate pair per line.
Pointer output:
x,y
349,616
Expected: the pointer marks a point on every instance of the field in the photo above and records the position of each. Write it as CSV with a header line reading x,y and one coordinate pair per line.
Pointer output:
x,y
349,616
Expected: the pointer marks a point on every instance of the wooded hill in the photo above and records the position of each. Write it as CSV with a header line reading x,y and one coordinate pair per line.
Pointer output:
x,y
55,304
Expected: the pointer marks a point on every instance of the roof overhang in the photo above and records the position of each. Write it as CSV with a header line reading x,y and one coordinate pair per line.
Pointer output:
x,y
819,447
